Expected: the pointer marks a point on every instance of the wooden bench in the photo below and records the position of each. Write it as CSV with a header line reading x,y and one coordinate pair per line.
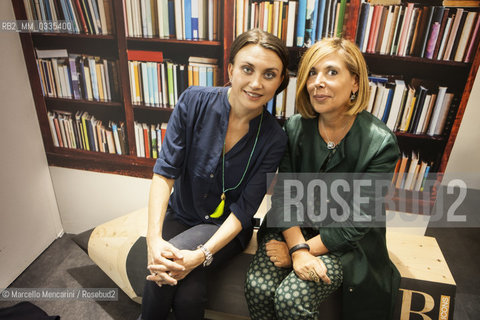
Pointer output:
x,y
118,248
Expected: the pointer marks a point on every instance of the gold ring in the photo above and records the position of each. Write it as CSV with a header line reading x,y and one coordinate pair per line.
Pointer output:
x,y
313,276
275,259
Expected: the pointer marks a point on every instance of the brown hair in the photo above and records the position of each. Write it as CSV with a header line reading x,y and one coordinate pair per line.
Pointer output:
x,y
355,63
267,41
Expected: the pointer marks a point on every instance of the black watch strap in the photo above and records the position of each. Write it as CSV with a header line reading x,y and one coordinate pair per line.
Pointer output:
x,y
298,247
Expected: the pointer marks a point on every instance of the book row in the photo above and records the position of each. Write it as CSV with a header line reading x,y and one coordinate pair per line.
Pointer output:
x,y
81,130
433,32
411,173
180,19
419,107
84,16
149,138
298,23
74,76
154,82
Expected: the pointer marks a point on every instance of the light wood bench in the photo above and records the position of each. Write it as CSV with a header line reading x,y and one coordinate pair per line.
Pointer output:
x,y
118,248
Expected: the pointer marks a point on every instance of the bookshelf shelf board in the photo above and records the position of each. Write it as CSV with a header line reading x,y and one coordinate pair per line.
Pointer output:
x,y
406,135
149,108
60,36
410,59
98,45
60,102
133,40
101,162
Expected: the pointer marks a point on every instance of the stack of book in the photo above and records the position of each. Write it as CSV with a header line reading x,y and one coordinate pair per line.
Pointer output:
x,y
411,173
202,71
180,19
84,132
419,107
84,16
433,32
154,82
282,105
64,75
297,23
149,138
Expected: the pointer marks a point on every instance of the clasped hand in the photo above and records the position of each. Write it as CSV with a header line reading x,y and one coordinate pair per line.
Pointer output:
x,y
167,264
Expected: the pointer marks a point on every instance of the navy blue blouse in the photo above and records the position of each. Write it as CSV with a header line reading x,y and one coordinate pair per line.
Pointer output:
x,y
192,155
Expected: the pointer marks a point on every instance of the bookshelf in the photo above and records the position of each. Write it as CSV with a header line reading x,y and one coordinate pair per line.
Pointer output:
x,y
114,47
459,76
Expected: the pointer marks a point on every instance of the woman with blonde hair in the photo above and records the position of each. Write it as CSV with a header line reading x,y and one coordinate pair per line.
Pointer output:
x,y
297,266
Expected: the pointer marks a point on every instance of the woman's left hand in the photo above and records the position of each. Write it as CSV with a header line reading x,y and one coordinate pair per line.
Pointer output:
x,y
308,267
277,251
191,259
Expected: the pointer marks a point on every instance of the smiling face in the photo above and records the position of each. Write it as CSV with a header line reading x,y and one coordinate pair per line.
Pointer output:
x,y
330,84
255,76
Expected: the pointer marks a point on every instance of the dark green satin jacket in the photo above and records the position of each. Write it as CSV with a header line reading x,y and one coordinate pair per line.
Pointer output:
x,y
370,279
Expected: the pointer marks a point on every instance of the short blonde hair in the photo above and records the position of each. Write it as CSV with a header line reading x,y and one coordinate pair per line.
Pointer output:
x,y
354,61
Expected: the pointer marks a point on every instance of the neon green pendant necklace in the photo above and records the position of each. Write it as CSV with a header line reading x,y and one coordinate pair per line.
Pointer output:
x,y
220,208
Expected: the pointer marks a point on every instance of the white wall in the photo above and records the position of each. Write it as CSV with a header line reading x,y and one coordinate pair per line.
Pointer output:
x,y
464,160
86,199
29,215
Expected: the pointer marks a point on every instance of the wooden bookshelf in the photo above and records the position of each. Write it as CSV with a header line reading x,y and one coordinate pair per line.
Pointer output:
x,y
459,76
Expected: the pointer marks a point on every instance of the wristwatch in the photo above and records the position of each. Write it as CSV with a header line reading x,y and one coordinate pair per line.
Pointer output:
x,y
208,255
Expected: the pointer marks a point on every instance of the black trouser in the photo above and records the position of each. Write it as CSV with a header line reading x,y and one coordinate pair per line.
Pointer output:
x,y
188,298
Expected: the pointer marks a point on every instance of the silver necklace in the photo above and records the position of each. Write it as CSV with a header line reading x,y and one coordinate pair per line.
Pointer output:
x,y
330,143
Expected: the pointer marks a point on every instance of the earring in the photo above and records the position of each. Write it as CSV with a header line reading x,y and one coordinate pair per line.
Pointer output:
x,y
353,96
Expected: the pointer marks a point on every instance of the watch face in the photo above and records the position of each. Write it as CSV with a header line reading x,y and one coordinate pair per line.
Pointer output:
x,y
207,262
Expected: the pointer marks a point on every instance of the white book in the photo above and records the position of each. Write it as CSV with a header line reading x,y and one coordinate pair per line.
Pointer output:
x,y
453,33
51,53
421,174
371,98
164,85
103,18
160,18
378,99
279,105
411,172
447,101
292,13
202,19
276,9
179,20
68,89
129,11
396,106
443,44
411,28
423,115
107,81
56,76
265,18
239,17
53,132
137,140
437,110
389,25
383,104
395,31
138,19
145,83
253,14
367,29
465,36
210,15
290,99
